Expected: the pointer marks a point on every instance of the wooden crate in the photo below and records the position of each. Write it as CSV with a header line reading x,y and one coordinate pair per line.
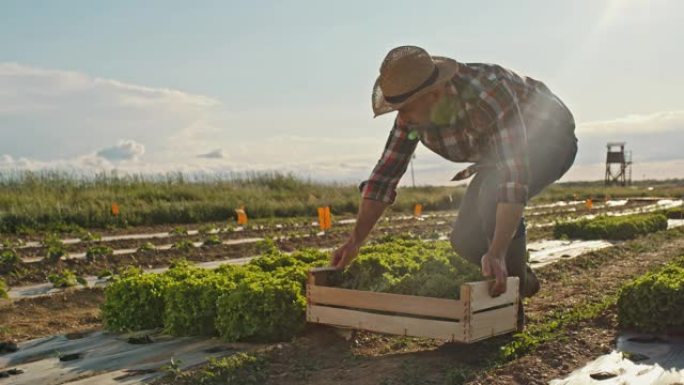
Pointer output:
x,y
473,317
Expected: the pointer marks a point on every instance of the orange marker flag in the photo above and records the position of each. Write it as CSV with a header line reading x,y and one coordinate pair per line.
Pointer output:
x,y
328,218
418,210
241,216
115,210
321,218
324,218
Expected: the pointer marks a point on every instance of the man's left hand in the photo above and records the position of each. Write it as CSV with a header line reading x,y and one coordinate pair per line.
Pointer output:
x,y
495,267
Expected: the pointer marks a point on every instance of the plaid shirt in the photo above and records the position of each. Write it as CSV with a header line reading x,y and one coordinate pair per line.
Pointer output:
x,y
482,119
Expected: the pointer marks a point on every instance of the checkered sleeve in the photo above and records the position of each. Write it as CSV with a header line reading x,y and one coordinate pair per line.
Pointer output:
x,y
383,181
509,144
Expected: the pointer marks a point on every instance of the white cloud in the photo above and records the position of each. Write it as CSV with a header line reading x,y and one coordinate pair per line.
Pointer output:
x,y
215,154
652,138
124,150
65,119
44,89
50,114
647,170
83,164
654,123
52,119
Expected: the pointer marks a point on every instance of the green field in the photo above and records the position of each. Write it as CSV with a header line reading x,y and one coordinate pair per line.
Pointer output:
x,y
58,201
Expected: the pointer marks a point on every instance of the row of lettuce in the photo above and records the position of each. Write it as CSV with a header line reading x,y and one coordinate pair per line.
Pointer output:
x,y
264,300
55,248
612,227
602,227
654,302
617,227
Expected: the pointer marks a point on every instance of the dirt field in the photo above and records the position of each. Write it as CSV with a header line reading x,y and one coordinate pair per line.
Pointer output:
x,y
322,356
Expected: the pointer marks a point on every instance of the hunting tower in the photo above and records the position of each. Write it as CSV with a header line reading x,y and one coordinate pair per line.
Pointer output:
x,y
618,164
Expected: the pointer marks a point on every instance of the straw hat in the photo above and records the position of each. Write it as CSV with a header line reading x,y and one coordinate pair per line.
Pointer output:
x,y
406,74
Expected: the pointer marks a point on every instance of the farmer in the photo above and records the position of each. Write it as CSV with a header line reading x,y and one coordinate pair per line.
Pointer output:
x,y
518,134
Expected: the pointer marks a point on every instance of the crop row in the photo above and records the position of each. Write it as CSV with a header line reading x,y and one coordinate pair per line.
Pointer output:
x,y
30,201
265,299
53,248
82,238
675,212
654,302
611,227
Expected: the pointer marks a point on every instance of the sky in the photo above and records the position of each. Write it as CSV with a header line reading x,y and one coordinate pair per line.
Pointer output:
x,y
227,86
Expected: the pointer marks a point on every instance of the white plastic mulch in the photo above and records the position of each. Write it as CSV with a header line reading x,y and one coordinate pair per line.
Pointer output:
x,y
542,253
616,203
346,221
555,204
672,223
545,252
653,360
107,359
154,247
43,289
662,204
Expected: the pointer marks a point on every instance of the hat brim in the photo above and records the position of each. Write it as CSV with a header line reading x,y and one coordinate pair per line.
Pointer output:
x,y
446,68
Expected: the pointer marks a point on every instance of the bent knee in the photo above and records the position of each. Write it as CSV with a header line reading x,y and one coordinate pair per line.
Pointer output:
x,y
468,246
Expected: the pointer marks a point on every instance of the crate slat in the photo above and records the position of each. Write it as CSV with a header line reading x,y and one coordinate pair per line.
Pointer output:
x,y
396,303
319,275
479,315
493,323
391,324
480,298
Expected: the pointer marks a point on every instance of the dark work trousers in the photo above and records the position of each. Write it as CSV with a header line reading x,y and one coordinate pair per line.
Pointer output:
x,y
552,146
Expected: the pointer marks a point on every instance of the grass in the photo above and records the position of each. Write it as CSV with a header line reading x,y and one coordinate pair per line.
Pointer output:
x,y
672,188
65,279
62,202
211,240
100,251
553,327
238,368
3,289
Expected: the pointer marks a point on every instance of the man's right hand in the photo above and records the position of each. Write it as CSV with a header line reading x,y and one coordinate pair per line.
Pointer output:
x,y
369,213
344,255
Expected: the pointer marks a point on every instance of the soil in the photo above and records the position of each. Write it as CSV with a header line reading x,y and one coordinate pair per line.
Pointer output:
x,y
581,209
37,272
267,227
320,356
266,224
64,313
577,281
39,251
557,358
269,230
